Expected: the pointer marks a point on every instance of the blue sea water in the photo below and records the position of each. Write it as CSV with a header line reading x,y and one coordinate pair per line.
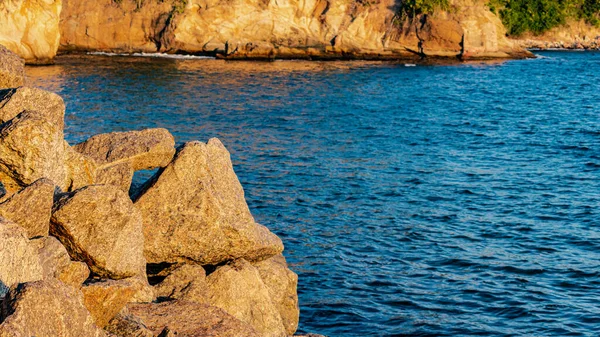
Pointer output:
x,y
436,200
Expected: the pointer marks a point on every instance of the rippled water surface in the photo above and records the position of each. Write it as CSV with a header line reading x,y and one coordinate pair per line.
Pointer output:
x,y
431,200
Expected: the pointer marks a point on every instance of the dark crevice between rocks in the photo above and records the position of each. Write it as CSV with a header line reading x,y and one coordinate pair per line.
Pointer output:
x,y
141,181
157,272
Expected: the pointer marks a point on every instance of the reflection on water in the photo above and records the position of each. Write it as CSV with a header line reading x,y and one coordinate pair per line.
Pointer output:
x,y
431,200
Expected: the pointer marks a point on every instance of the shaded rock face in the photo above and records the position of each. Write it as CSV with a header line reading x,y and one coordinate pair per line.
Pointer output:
x,y
125,324
182,318
46,308
99,225
284,29
194,209
31,28
30,208
238,289
19,260
12,70
186,282
31,148
281,283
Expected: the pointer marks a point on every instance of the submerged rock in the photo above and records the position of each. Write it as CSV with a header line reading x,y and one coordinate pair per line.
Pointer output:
x,y
238,289
99,225
31,148
194,209
12,69
282,284
19,260
46,308
31,207
189,319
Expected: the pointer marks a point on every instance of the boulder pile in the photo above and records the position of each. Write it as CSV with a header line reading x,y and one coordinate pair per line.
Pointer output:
x,y
83,254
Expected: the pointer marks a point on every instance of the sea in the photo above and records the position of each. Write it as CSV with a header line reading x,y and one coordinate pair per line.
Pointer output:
x,y
413,199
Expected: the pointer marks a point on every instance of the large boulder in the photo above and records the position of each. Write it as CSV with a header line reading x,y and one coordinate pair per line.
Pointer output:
x,y
46,308
19,261
47,105
31,207
99,225
12,69
81,170
194,209
119,175
238,289
105,298
31,148
146,149
56,262
282,284
125,324
187,319
186,282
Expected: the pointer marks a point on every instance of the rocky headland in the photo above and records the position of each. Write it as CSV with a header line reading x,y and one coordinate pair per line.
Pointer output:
x,y
84,254
573,35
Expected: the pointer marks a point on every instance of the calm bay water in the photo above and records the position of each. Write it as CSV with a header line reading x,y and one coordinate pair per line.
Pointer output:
x,y
431,200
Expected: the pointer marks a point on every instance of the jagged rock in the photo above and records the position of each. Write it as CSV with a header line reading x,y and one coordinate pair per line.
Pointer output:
x,y
105,298
12,69
2,191
19,261
45,104
119,175
31,207
186,282
190,319
125,324
46,308
99,225
282,284
238,289
194,209
146,149
81,171
30,148
56,263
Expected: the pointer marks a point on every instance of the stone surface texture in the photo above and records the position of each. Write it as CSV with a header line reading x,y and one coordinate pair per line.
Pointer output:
x,y
30,28
31,207
19,260
238,289
46,308
194,209
105,298
99,225
186,282
47,105
190,319
12,70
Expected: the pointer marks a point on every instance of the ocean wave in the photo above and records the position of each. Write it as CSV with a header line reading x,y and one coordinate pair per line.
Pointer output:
x,y
156,55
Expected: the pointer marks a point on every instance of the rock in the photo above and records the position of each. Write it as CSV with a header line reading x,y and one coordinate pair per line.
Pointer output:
x,y
12,70
99,225
146,149
30,28
47,105
238,289
105,298
30,148
194,209
186,282
125,324
81,171
19,261
282,284
119,175
46,308
190,319
56,263
30,208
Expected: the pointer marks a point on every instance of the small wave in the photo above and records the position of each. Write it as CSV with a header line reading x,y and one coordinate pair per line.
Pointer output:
x,y
155,55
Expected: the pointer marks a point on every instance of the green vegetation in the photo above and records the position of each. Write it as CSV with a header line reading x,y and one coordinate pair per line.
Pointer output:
x,y
412,8
538,16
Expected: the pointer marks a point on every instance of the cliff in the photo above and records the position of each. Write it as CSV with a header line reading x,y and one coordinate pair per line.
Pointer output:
x,y
29,28
573,35
315,29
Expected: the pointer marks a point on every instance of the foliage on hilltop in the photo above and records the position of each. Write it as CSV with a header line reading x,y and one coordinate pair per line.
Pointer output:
x,y
412,8
538,16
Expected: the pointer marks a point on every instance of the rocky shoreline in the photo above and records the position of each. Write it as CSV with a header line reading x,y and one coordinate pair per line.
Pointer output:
x,y
83,254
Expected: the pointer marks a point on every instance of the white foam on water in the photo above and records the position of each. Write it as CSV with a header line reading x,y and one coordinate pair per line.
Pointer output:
x,y
157,55
410,65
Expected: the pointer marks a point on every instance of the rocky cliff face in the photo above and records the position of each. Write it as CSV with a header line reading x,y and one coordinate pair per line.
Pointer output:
x,y
283,29
573,35
29,28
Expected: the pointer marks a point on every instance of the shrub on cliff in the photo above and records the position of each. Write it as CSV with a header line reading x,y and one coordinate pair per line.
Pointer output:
x,y
412,8
538,16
